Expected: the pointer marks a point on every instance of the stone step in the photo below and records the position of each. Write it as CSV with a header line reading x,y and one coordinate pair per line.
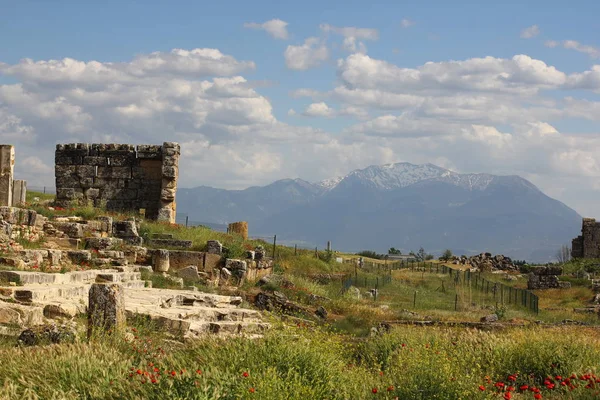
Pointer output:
x,y
83,277
158,297
185,244
192,313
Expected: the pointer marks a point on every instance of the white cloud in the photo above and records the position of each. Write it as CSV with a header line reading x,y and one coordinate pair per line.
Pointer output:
x,y
406,23
320,109
291,112
530,32
352,36
351,31
593,52
309,55
275,27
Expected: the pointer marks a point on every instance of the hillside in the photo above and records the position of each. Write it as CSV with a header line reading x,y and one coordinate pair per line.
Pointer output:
x,y
398,205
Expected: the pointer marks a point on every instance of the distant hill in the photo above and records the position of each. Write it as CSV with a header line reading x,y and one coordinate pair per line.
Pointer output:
x,y
398,205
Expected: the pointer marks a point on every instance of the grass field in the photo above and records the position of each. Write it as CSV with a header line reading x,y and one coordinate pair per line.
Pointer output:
x,y
341,358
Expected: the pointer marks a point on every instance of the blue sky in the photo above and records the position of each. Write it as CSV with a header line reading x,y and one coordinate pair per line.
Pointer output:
x,y
544,118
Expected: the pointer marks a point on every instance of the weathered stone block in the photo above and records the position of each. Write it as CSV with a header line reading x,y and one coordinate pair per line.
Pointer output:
x,y
160,260
240,228
189,273
104,243
170,172
114,172
186,244
79,256
214,247
106,310
96,161
125,228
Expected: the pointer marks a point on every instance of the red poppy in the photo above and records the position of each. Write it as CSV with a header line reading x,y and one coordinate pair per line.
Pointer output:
x,y
245,374
390,388
524,387
481,387
251,390
537,396
374,390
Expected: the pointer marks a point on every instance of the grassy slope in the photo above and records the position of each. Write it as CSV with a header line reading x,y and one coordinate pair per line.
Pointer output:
x,y
323,361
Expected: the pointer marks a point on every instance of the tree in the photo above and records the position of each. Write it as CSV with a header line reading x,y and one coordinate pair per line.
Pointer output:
x,y
563,254
447,255
394,251
420,256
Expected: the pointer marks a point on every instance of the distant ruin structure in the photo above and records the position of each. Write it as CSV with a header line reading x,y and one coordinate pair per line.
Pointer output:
x,y
120,177
587,245
12,192
240,228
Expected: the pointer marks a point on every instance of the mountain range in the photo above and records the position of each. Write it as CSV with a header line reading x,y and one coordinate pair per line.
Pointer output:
x,y
399,205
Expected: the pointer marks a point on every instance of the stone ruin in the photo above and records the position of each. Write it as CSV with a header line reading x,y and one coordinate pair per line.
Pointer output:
x,y
487,262
12,192
120,177
104,259
546,278
587,245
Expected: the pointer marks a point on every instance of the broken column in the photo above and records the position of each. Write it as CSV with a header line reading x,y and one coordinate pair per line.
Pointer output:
x,y
106,311
160,260
7,167
170,173
240,228
19,192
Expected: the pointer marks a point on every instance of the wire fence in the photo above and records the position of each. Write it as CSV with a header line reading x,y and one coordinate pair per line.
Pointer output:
x,y
491,291
42,189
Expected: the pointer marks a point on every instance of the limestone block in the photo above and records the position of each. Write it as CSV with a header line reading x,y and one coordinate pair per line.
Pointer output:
x,y
92,193
189,273
125,228
61,310
106,310
214,247
85,171
7,163
69,193
171,172
182,258
10,214
65,170
234,264
68,181
212,262
103,243
19,192
160,260
114,172
71,229
79,256
167,194
122,160
95,161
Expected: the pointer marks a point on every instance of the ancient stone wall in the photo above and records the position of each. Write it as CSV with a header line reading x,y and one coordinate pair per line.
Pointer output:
x,y
120,177
587,245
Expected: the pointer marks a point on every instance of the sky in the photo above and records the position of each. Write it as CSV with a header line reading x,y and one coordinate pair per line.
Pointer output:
x,y
259,91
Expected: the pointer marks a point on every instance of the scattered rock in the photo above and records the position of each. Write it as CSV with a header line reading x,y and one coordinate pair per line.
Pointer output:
x,y
48,334
489,318
321,312
189,273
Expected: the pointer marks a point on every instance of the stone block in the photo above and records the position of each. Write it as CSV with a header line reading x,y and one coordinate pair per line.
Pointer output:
x,y
161,236
96,161
85,171
212,262
69,193
168,194
171,172
186,244
92,193
7,163
104,243
182,258
19,192
79,256
71,229
214,247
122,160
235,265
68,181
160,260
114,172
60,159
106,310
189,273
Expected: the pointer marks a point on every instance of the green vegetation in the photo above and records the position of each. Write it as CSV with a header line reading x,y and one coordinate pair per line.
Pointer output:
x,y
343,357
307,363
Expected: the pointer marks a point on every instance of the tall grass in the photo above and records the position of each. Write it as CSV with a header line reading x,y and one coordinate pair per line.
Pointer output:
x,y
303,363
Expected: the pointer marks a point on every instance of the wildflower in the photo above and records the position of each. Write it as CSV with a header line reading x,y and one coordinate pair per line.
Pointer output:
x,y
198,372
482,388
537,396
524,387
245,374
390,388
173,373
251,390
374,390
507,396
558,378
380,373
139,371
